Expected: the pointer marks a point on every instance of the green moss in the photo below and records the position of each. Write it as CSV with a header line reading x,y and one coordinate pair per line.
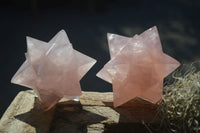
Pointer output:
x,y
180,108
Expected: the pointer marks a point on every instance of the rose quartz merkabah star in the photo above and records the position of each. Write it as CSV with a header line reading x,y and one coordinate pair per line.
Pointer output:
x,y
137,67
53,70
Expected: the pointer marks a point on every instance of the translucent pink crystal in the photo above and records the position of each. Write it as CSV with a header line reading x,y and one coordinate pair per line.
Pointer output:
x,y
53,70
137,67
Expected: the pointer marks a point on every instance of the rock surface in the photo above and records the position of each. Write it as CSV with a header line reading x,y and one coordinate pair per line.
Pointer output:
x,y
93,114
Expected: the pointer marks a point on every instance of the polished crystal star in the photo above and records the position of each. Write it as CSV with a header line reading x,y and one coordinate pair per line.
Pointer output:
x,y
53,70
137,67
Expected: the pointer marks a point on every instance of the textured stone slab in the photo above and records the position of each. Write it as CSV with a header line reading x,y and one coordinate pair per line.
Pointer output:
x,y
93,114
24,114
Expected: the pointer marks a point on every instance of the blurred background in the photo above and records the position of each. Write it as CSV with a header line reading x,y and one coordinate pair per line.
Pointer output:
x,y
87,23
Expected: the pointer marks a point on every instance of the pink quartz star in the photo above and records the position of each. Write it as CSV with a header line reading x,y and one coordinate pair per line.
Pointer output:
x,y
137,67
53,70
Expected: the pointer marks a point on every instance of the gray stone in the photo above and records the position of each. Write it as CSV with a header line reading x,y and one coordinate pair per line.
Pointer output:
x,y
94,113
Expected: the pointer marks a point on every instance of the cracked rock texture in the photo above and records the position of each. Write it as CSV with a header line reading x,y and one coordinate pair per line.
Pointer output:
x,y
94,113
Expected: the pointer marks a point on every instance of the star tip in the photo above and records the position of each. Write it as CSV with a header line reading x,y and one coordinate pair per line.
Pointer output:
x,y
94,61
62,30
98,75
28,37
13,80
115,105
109,34
178,64
154,28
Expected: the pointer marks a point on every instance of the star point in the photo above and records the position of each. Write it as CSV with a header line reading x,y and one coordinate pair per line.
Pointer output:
x,y
53,69
137,67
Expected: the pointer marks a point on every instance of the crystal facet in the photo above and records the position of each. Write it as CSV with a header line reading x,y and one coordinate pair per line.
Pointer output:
x,y
137,67
53,70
